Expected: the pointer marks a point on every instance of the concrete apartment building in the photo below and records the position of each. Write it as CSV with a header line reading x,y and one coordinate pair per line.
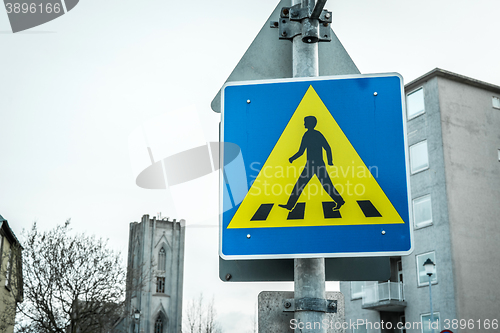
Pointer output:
x,y
11,276
454,147
155,277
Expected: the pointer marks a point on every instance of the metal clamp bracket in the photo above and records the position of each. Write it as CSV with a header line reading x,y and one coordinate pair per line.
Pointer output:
x,y
298,13
312,23
310,304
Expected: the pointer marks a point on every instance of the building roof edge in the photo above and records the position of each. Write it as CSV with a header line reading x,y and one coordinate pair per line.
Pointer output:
x,y
452,76
8,231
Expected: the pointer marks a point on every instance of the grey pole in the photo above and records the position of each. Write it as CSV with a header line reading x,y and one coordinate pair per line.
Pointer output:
x,y
309,274
305,55
430,296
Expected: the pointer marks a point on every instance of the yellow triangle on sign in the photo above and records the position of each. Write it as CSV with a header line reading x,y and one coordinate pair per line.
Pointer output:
x,y
365,201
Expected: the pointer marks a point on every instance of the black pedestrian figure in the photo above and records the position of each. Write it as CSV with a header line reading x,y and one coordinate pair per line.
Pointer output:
x,y
314,142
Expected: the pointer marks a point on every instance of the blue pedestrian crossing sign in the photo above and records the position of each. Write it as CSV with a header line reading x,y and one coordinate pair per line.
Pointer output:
x,y
323,169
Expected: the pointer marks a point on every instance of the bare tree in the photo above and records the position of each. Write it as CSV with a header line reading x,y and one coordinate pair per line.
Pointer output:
x,y
255,326
201,317
71,283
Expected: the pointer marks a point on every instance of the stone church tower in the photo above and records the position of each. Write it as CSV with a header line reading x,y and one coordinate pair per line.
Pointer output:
x,y
155,276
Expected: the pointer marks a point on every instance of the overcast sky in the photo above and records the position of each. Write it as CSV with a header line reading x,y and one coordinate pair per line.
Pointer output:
x,y
75,91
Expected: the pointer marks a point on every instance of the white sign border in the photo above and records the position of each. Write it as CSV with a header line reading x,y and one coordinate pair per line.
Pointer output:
x,y
316,255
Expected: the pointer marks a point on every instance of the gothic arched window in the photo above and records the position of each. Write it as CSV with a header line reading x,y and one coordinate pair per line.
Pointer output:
x,y
162,258
160,284
159,325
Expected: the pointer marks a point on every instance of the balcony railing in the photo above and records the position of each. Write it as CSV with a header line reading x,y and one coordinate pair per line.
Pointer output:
x,y
379,292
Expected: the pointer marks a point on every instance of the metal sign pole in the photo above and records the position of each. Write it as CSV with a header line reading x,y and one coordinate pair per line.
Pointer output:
x,y
309,274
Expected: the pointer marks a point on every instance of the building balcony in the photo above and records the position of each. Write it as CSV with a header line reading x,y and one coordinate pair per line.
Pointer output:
x,y
386,296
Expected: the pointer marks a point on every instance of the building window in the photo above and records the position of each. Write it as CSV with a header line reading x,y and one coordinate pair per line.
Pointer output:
x,y
419,158
159,325
425,319
415,103
160,285
423,279
162,258
8,270
1,251
422,211
357,289
496,102
400,271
